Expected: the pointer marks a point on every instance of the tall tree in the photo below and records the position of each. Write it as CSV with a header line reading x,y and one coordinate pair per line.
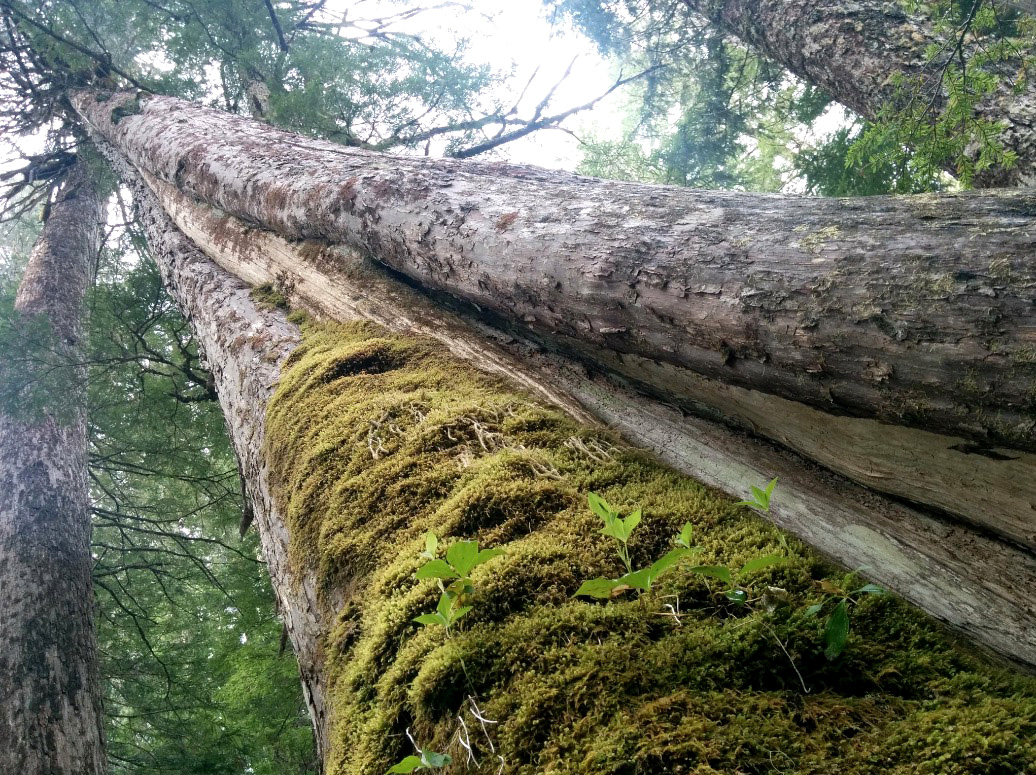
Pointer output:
x,y
50,719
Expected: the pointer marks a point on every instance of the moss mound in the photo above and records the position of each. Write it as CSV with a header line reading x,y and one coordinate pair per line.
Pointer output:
x,y
375,439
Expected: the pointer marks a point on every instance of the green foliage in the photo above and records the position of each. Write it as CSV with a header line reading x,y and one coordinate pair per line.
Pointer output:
x,y
938,117
461,558
186,628
839,167
376,439
427,760
760,497
836,631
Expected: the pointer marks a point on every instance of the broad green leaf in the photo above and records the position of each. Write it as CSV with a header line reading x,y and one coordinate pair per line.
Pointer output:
x,y
761,562
837,632
667,561
686,534
444,606
760,497
814,609
752,504
459,613
871,589
716,571
429,619
486,555
409,764
461,556
614,528
631,522
600,588
433,759
769,488
431,544
639,579
436,569
599,506
738,596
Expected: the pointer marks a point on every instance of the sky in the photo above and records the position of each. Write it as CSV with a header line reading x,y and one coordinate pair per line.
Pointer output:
x,y
518,36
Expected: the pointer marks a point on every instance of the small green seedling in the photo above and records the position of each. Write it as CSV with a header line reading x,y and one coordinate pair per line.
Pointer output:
x,y
615,526
734,593
836,631
424,760
461,558
645,577
761,498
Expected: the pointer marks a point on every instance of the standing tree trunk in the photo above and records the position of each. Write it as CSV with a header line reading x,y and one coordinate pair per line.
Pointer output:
x,y
50,712
858,51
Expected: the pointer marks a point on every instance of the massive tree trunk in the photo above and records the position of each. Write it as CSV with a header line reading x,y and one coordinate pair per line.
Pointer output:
x,y
857,51
50,714
889,338
911,552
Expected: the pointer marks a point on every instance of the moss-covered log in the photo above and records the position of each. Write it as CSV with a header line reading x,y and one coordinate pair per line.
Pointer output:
x,y
913,310
375,439
965,577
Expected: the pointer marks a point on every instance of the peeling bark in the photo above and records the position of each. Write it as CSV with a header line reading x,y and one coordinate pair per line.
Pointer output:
x,y
962,576
854,49
915,311
50,712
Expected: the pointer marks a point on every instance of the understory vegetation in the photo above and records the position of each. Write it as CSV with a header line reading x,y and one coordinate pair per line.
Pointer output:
x,y
378,439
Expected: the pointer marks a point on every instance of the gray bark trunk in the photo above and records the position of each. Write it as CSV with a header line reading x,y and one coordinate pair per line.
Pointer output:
x,y
915,311
854,49
243,346
50,712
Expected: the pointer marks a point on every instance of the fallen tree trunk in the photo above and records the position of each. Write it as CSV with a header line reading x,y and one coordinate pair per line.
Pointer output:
x,y
870,55
50,714
373,437
961,576
788,316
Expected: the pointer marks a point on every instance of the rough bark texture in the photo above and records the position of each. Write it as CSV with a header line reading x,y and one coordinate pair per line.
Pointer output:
x,y
961,576
915,311
50,694
854,49
244,346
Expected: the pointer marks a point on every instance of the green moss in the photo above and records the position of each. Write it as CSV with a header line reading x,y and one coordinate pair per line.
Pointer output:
x,y
375,439
269,297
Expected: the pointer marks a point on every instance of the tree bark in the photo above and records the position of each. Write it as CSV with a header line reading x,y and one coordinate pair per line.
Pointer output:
x,y
915,311
855,50
243,346
50,714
